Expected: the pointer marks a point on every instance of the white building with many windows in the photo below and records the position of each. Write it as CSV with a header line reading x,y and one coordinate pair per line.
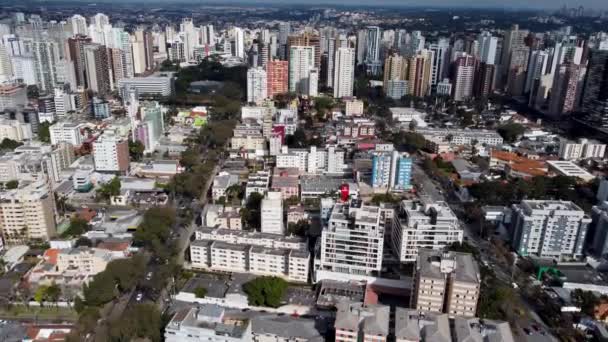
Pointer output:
x,y
351,243
256,85
272,213
421,224
549,229
250,252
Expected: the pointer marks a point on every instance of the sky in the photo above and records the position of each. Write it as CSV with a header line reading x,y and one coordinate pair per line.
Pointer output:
x,y
597,4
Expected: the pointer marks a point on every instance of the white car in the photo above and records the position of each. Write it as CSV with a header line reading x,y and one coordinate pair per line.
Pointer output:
x,y
139,297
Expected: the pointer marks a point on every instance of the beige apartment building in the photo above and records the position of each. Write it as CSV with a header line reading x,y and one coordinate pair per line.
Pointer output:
x,y
27,212
446,282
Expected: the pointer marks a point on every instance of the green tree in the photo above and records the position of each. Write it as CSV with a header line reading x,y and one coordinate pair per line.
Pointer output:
x,y
32,91
586,300
9,144
140,321
409,141
12,184
110,189
250,215
83,241
40,294
265,291
44,132
300,228
154,230
53,292
200,292
511,131
78,226
136,150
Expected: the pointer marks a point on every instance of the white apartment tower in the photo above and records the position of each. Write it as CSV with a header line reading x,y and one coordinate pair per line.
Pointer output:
x,y
549,229
257,90
351,244
272,213
344,72
301,63
423,224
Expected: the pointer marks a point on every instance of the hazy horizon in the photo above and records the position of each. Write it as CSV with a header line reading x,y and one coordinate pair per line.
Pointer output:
x,y
508,4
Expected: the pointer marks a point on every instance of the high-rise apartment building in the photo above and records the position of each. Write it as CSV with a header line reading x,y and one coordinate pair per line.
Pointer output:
x,y
391,171
423,224
351,243
97,70
372,50
310,40
537,67
76,51
441,58
46,56
277,75
344,72
111,153
488,46
333,44
272,213
464,77
564,93
484,81
27,212
419,78
446,282
596,80
301,62
549,229
257,85
395,69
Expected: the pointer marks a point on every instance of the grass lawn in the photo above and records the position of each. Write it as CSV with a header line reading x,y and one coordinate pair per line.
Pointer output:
x,y
43,313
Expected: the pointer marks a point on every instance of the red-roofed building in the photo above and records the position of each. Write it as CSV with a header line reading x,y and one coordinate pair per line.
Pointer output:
x,y
48,332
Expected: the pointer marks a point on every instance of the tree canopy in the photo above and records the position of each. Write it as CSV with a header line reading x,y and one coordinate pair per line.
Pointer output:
x,y
9,144
109,189
511,131
265,291
78,226
44,132
140,321
119,276
136,150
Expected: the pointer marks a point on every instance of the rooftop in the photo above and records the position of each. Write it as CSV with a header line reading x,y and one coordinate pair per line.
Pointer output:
x,y
435,264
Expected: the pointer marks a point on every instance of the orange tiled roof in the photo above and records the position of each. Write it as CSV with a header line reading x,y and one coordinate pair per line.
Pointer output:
x,y
51,255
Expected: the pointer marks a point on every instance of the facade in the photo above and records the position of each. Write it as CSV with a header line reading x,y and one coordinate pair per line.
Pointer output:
x,y
15,130
68,132
418,225
97,68
301,62
583,149
315,160
564,94
391,170
353,107
272,213
596,80
146,86
277,76
27,212
361,322
462,136
250,252
352,242
12,96
599,216
257,90
446,282
464,77
344,72
111,153
549,229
